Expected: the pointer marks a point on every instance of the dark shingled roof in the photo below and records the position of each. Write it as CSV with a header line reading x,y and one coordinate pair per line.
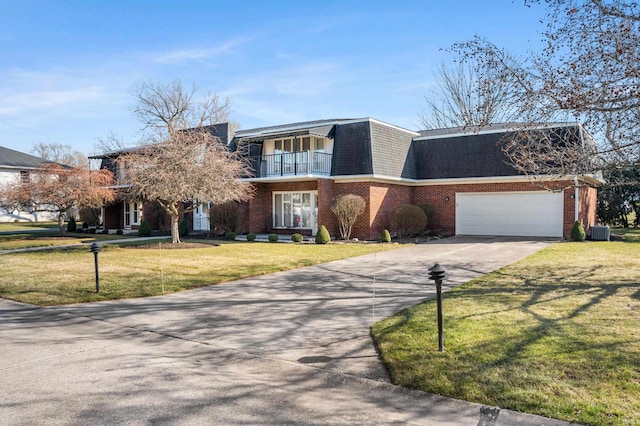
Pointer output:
x,y
473,155
11,158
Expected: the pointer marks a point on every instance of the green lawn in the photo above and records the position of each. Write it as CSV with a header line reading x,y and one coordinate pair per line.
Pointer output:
x,y
556,334
50,238
64,276
26,226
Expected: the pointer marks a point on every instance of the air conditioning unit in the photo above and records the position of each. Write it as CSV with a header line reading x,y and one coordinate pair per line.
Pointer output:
x,y
600,233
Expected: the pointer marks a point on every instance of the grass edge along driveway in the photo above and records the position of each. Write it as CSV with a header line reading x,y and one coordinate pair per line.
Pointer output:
x,y
66,276
556,334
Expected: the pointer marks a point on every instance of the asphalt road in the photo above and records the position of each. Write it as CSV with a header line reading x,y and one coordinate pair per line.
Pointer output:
x,y
285,348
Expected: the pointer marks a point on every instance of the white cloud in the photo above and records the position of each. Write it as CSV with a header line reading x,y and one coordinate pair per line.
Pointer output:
x,y
194,54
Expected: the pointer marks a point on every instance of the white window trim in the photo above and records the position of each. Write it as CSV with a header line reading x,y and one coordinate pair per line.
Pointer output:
x,y
314,209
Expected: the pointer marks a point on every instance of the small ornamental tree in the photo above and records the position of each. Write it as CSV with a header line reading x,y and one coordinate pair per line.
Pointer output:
x,y
145,229
323,237
577,232
385,237
57,189
179,172
347,208
408,220
72,226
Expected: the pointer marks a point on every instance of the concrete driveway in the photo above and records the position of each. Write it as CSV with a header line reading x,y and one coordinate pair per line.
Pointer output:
x,y
285,348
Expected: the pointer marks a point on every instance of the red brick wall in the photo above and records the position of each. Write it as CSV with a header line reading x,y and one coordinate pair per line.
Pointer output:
x,y
114,216
382,198
587,207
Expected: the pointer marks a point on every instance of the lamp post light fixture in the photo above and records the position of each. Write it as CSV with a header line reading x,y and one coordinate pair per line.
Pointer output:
x,y
95,249
437,274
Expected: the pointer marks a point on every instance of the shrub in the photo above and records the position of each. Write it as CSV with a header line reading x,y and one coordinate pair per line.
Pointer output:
x,y
105,231
323,237
577,232
297,238
91,230
251,237
183,228
145,229
385,237
347,208
120,232
230,236
85,225
408,220
429,210
90,217
273,238
227,216
72,226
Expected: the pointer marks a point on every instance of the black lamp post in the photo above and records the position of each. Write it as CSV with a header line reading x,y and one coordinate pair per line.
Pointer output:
x,y
95,249
437,273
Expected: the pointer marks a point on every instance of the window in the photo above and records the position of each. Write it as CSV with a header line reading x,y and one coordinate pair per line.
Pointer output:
x,y
295,210
132,214
25,178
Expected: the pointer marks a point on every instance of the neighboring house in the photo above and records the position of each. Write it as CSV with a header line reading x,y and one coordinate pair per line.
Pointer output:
x,y
17,166
300,169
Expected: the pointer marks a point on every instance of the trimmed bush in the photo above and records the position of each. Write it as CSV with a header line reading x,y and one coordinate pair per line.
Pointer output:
x,y
408,220
183,228
145,229
85,225
72,226
230,236
323,237
273,238
251,237
429,210
385,237
577,232
297,238
105,231
120,232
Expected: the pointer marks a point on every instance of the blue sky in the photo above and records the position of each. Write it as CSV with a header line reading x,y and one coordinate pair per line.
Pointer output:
x,y
67,67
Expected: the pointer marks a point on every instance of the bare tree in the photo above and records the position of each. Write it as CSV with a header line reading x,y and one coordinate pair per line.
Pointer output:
x,y
61,153
183,171
347,208
588,71
467,97
111,143
549,155
56,188
166,109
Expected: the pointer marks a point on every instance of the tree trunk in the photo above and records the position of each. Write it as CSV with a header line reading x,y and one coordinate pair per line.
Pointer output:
x,y
175,231
61,223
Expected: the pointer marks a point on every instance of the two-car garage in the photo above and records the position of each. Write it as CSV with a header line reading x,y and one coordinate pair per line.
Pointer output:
x,y
531,214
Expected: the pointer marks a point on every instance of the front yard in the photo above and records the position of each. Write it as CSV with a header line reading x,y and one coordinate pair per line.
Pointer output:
x,y
63,276
556,334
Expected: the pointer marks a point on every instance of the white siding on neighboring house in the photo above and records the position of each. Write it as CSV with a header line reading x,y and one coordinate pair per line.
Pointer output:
x,y
10,175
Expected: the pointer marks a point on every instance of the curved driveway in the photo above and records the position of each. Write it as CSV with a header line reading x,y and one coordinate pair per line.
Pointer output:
x,y
285,348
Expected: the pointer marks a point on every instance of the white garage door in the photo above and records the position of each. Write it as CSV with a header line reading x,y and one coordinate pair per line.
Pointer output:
x,y
536,214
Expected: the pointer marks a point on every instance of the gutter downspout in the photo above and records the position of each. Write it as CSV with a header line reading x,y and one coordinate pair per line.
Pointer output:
x,y
576,198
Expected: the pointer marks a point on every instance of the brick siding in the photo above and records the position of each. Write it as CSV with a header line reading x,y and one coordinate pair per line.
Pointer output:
x,y
381,199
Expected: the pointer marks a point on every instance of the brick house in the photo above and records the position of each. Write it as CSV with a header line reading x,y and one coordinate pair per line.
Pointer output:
x,y
299,169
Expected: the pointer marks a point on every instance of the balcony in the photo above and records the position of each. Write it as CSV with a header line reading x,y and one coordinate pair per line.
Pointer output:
x,y
291,164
